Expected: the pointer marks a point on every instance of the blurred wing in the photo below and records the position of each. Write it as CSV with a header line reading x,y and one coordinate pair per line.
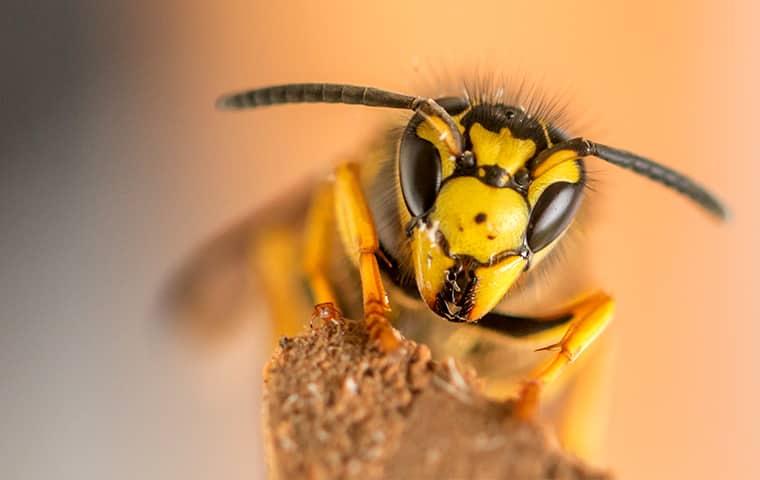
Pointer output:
x,y
215,289
211,290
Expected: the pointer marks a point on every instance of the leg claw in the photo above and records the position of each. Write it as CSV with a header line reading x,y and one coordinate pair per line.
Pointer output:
x,y
323,313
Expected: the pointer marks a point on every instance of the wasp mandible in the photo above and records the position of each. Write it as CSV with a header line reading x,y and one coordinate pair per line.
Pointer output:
x,y
454,213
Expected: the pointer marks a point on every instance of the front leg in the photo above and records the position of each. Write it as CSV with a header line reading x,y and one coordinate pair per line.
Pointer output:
x,y
590,316
357,231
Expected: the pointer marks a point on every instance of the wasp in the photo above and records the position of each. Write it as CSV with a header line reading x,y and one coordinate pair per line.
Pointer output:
x,y
459,215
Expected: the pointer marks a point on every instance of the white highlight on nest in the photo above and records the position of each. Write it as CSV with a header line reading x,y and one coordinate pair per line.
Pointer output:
x,y
350,385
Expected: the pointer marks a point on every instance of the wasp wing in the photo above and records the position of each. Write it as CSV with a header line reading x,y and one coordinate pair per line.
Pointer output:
x,y
214,290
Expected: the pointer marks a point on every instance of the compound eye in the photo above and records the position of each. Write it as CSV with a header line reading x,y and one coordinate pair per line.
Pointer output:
x,y
419,172
553,213
420,161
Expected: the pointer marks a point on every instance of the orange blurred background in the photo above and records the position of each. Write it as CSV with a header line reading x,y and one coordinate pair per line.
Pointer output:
x,y
115,165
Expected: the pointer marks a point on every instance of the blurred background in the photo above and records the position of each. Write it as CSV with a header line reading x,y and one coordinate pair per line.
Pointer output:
x,y
114,166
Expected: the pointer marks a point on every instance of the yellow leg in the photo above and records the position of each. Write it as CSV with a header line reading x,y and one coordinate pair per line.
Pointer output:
x,y
317,243
278,246
590,317
359,237
272,249
584,408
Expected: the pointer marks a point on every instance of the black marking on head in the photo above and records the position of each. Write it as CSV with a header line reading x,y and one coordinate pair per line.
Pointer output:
x,y
493,117
496,176
480,217
492,175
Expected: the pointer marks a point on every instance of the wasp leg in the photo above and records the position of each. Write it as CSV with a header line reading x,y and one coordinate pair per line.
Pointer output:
x,y
317,242
272,249
278,246
590,316
581,419
357,230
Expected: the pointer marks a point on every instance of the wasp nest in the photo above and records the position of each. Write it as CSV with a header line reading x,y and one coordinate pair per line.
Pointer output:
x,y
335,407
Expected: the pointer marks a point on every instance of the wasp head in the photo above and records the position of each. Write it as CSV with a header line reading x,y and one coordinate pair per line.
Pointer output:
x,y
482,216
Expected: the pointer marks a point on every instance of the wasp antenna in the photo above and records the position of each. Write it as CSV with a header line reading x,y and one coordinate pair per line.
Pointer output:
x,y
315,93
661,174
341,93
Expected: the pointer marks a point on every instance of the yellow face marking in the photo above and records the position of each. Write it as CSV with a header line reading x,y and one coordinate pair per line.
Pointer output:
x,y
501,148
479,220
493,283
430,263
554,159
567,171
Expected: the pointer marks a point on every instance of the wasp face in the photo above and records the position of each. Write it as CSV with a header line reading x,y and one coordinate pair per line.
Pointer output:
x,y
482,217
